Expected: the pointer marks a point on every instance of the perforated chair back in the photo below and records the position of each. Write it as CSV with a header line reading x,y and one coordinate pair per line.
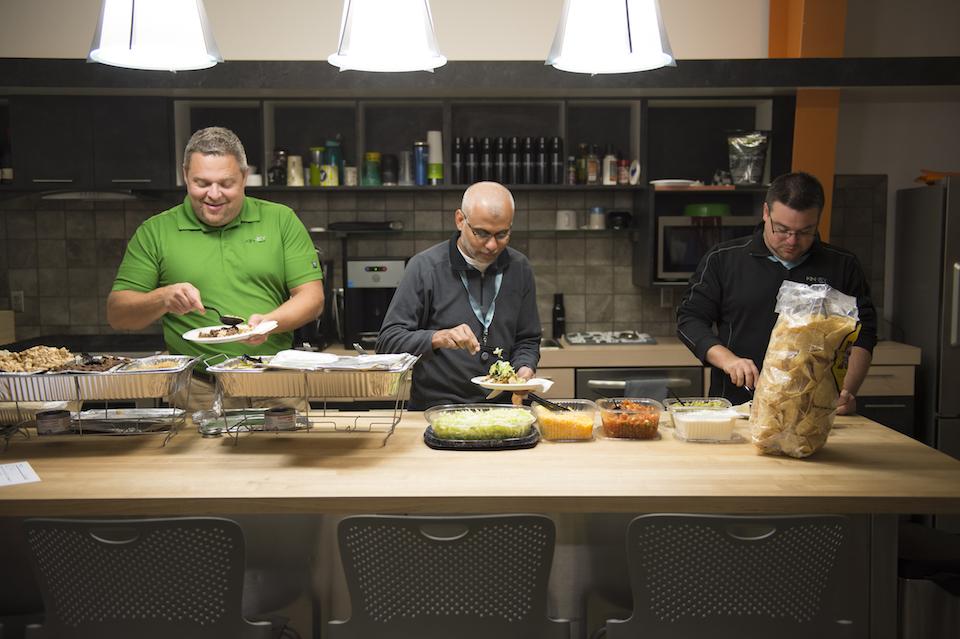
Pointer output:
x,y
441,577
740,577
153,578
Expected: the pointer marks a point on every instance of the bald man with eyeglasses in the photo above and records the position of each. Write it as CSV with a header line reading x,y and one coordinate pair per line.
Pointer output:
x,y
728,313
463,299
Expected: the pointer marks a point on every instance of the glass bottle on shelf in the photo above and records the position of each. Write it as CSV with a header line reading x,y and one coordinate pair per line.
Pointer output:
x,y
557,169
527,161
559,316
456,162
513,162
500,161
470,163
486,160
571,170
610,167
582,163
278,172
593,166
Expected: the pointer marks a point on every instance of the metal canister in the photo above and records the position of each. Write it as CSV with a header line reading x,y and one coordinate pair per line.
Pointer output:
x,y
420,158
280,418
371,168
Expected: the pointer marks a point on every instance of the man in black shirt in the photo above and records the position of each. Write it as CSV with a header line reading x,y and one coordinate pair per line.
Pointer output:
x,y
728,313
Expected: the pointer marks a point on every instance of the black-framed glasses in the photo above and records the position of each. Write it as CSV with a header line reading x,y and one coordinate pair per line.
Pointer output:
x,y
485,236
782,231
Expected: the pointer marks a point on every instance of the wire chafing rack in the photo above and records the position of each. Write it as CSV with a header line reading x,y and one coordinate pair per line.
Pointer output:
x,y
29,395
342,381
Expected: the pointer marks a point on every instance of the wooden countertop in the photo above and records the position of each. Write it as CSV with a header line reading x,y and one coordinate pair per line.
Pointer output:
x,y
865,468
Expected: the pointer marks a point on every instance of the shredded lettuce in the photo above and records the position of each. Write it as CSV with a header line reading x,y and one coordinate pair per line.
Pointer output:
x,y
491,423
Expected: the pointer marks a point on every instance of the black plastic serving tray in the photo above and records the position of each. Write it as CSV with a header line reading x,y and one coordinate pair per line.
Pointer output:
x,y
512,443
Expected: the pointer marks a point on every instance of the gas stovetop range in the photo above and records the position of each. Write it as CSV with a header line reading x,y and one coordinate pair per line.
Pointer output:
x,y
609,337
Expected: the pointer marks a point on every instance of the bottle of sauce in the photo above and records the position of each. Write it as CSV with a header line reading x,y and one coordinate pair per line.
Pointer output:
x,y
610,167
559,316
278,172
593,166
582,163
571,170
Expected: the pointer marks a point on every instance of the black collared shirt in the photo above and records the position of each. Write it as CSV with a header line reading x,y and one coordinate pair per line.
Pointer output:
x,y
733,294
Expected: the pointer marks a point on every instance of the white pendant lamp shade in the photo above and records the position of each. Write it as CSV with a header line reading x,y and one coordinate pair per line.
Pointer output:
x,y
610,36
156,35
387,35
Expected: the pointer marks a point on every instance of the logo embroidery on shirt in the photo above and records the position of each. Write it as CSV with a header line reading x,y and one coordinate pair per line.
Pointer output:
x,y
257,239
815,279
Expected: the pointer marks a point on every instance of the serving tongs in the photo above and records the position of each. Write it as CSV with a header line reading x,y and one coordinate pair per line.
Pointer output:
x,y
546,403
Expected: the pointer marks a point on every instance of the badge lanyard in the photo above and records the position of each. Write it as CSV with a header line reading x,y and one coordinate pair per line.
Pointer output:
x,y
485,320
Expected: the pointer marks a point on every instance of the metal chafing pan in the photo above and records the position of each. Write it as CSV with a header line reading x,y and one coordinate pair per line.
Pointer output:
x,y
260,382
118,384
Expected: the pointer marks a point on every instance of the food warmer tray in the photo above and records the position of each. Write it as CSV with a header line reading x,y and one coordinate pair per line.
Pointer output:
x,y
319,384
116,384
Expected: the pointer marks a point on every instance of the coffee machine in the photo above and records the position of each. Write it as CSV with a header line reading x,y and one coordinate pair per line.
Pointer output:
x,y
368,287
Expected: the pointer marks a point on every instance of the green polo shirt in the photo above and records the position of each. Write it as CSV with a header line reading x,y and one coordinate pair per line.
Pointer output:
x,y
245,267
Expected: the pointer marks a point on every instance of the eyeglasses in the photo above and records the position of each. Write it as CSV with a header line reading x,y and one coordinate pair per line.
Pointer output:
x,y
484,236
782,231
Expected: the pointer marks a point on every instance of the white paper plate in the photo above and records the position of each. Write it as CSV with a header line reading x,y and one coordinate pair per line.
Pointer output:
x,y
673,182
532,384
261,329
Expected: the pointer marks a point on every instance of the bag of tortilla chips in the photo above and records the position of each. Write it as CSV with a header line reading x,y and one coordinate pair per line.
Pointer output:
x,y
796,396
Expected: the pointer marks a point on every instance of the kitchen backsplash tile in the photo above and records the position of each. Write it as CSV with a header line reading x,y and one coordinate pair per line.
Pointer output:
x,y
73,259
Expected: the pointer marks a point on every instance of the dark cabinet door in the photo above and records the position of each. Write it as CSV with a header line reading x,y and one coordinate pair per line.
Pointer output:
x,y
132,143
51,141
894,412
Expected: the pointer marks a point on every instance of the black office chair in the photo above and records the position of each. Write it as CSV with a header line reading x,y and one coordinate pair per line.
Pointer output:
x,y
148,578
736,577
442,577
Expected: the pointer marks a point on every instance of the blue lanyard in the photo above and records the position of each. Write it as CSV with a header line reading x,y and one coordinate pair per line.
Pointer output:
x,y
487,319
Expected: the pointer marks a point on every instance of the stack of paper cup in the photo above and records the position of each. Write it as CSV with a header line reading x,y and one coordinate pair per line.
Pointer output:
x,y
434,157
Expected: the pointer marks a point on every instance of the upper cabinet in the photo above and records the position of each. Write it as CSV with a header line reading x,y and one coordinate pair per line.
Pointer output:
x,y
78,142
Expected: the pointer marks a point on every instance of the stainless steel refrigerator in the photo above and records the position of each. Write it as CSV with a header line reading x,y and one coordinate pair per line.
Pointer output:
x,y
926,298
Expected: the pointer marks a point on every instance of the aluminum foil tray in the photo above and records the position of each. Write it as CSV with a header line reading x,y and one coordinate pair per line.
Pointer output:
x,y
315,384
120,384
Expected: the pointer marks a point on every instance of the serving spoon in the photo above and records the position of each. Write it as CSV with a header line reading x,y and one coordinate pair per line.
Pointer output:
x,y
227,320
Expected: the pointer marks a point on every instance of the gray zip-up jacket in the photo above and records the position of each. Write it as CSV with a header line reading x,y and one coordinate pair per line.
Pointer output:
x,y
432,297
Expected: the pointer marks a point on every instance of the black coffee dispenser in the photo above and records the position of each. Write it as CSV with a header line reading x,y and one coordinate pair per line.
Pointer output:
x,y
368,288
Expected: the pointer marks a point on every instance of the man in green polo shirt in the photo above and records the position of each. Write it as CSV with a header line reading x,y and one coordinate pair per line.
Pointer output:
x,y
240,255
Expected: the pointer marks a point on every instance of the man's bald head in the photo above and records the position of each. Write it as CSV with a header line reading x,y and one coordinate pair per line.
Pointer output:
x,y
492,198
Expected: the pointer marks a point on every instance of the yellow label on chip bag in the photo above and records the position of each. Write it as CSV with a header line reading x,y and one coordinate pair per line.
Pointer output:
x,y
839,367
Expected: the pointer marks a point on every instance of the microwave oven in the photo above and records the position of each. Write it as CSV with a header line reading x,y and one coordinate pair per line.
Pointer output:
x,y
682,240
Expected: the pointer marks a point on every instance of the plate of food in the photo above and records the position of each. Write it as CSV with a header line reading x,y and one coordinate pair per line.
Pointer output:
x,y
221,333
502,377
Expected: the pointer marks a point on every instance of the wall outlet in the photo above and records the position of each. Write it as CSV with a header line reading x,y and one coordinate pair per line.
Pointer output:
x,y
16,301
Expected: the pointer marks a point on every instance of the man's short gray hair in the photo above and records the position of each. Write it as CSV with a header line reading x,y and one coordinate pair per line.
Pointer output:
x,y
215,140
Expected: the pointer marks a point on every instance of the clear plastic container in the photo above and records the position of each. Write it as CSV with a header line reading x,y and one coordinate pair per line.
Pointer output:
x,y
479,421
674,404
705,423
567,425
630,417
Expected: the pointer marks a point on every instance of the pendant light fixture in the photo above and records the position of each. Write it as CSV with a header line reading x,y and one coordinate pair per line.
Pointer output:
x,y
387,35
610,36
155,35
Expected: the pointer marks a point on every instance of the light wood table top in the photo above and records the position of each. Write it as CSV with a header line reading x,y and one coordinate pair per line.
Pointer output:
x,y
865,468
